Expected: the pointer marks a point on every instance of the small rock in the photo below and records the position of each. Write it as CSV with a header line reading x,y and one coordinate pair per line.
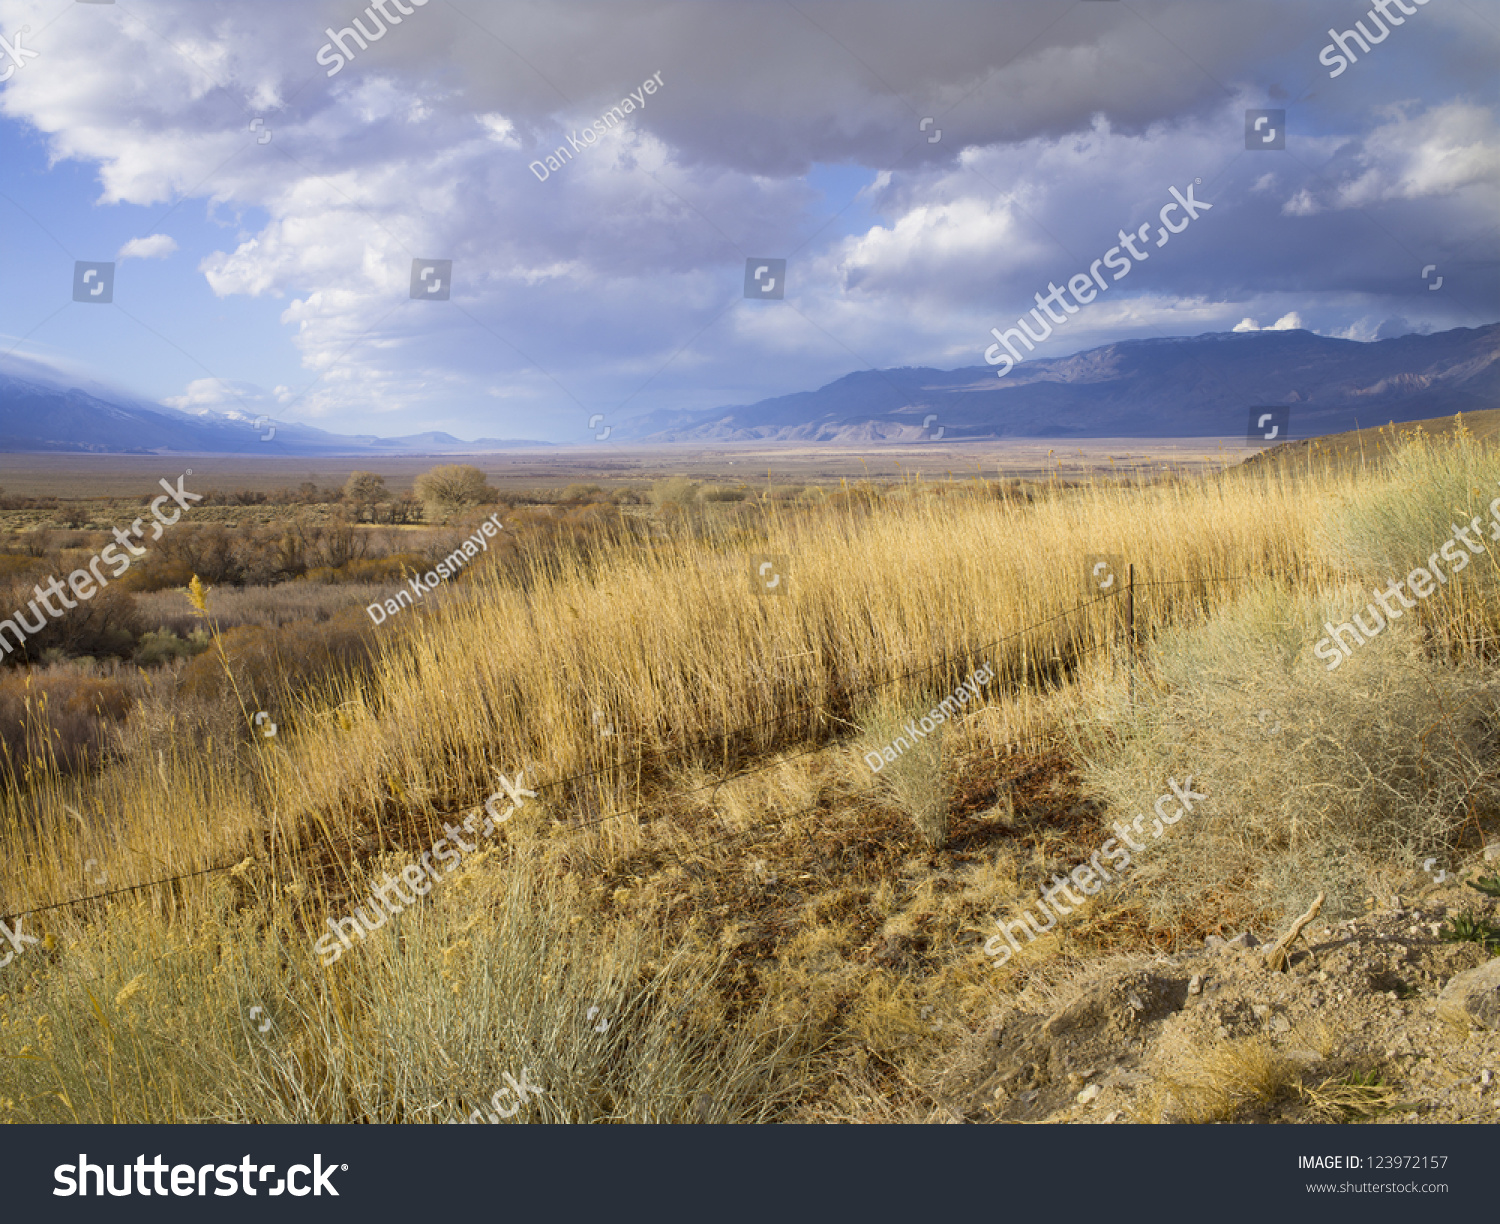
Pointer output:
x,y
1436,928
1112,1116
1212,941
1196,985
1322,976
1492,852
1088,1094
1261,1011
1280,1024
1473,997
1135,1002
1486,1077
1244,940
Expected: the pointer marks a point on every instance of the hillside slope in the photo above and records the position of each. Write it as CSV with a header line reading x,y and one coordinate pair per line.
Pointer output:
x,y
1202,386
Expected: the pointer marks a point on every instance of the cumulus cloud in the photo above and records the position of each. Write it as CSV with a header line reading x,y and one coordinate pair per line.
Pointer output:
x,y
1432,153
1391,329
1291,321
221,396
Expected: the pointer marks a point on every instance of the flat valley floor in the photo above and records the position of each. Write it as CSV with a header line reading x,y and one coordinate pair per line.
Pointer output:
x,y
608,465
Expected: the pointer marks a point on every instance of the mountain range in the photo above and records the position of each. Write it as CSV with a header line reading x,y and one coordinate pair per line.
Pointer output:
x,y
1200,386
44,413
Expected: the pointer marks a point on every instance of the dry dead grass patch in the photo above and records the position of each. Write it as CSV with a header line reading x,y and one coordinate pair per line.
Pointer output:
x,y
1355,1094
1221,1083
797,896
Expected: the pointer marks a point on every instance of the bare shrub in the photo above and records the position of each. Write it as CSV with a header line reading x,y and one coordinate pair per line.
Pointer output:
x,y
61,712
363,491
267,662
1388,528
449,488
1313,778
166,720
674,491
158,646
107,624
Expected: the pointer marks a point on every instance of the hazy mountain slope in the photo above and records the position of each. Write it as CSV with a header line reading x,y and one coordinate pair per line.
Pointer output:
x,y
1202,386
38,416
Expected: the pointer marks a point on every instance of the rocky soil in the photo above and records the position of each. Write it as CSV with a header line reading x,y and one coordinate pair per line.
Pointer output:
x,y
1374,1019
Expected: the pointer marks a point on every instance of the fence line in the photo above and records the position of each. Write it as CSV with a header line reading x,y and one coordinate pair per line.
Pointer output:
x,y
681,748
774,719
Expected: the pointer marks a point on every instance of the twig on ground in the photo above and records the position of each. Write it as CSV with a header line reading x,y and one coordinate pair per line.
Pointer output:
x,y
1279,957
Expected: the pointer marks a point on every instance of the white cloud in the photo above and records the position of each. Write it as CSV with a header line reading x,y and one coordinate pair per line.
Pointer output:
x,y
1291,321
501,130
621,267
210,396
1439,152
1301,205
156,246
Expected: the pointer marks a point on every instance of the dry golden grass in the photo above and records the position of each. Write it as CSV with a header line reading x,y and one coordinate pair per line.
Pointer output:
x,y
722,847
1222,1082
1338,1098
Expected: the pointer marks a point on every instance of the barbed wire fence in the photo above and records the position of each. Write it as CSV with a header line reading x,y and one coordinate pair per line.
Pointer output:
x,y
1125,593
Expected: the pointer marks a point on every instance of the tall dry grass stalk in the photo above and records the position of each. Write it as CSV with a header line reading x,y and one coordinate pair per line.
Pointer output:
x,y
696,671
673,644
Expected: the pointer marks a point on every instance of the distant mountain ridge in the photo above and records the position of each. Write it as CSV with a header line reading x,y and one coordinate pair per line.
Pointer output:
x,y
1200,386
43,417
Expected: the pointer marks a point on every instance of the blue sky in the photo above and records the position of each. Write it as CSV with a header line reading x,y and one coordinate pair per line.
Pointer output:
x,y
273,275
170,328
